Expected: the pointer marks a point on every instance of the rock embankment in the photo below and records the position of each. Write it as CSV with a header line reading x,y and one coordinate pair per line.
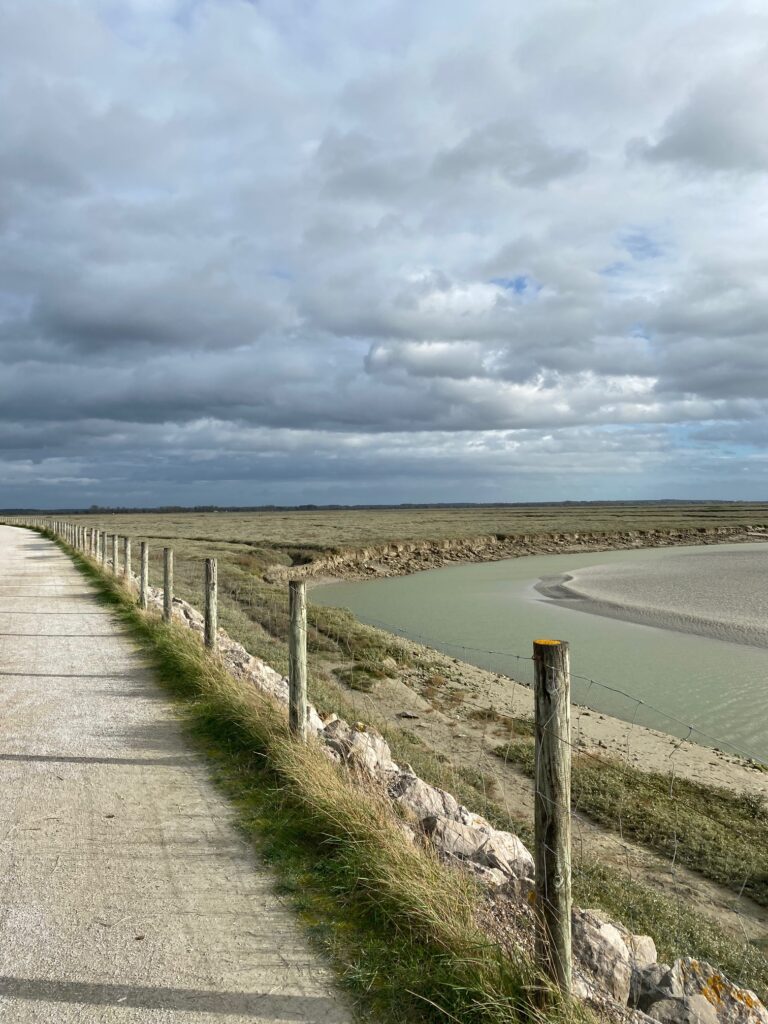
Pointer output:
x,y
612,965
404,557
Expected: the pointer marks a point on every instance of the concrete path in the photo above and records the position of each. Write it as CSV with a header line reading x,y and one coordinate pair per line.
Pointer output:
x,y
126,895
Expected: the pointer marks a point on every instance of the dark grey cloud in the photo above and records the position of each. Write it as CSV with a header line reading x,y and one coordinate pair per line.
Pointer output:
x,y
719,127
513,150
287,252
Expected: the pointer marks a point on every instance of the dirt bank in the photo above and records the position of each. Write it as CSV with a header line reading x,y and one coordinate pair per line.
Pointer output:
x,y
402,558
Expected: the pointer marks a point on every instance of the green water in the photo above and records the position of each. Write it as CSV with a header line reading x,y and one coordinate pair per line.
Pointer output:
x,y
488,615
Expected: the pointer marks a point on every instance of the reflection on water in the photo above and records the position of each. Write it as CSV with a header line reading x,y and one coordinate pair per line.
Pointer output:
x,y
489,614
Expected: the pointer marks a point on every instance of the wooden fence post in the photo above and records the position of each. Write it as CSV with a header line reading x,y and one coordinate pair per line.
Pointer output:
x,y
127,559
297,659
104,548
167,584
211,602
553,810
115,555
144,575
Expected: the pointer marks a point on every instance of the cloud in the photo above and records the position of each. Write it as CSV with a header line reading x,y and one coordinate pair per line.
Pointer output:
x,y
720,127
513,150
282,251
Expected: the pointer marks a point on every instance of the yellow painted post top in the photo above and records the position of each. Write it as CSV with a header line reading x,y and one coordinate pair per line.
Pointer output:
x,y
553,643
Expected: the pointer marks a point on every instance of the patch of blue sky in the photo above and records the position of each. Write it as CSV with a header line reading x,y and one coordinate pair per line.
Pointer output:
x,y
640,244
639,330
615,269
521,284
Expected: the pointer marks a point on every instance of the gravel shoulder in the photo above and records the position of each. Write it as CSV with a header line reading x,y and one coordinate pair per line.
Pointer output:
x,y
126,893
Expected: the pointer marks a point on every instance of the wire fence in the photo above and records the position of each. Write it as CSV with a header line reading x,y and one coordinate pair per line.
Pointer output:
x,y
662,821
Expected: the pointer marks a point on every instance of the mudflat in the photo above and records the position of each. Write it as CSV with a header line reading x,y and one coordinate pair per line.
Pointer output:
x,y
719,593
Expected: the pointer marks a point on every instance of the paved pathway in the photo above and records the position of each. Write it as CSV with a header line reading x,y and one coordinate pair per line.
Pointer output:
x,y
126,895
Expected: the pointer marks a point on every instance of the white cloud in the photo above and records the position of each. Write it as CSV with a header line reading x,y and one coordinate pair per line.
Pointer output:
x,y
377,222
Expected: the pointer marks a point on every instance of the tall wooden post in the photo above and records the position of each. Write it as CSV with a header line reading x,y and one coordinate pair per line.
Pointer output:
x,y
167,584
115,555
297,659
127,559
553,810
144,576
211,602
104,547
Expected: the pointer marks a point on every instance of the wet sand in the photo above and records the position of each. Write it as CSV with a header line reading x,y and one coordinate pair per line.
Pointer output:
x,y
722,595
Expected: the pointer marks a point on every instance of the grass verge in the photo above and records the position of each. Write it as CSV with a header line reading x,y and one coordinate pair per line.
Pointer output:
x,y
400,927
722,836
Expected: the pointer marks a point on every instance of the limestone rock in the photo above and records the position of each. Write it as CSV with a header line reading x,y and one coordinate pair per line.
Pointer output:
x,y
602,952
694,992
649,984
690,1010
491,877
359,745
314,721
642,949
336,735
467,817
422,799
369,749
485,846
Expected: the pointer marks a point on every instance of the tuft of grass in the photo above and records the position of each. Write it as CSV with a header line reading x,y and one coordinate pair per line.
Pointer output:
x,y
360,677
400,926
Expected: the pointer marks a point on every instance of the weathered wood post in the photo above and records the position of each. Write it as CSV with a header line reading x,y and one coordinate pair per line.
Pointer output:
x,y
553,810
127,559
167,584
144,576
211,602
297,659
115,556
104,547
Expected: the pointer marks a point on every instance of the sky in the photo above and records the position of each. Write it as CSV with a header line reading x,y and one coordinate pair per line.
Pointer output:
x,y
293,251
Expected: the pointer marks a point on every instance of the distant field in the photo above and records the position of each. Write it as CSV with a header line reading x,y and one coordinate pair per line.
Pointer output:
x,y
294,536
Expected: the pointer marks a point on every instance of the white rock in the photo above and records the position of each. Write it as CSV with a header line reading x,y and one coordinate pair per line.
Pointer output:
x,y
371,750
602,953
422,799
692,991
484,846
361,746
314,721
